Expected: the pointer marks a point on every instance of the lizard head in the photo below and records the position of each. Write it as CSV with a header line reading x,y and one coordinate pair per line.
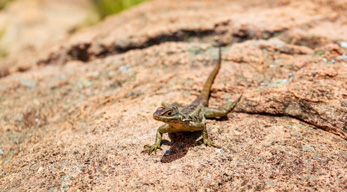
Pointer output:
x,y
167,114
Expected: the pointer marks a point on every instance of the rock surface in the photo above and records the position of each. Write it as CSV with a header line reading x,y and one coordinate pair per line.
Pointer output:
x,y
28,27
78,117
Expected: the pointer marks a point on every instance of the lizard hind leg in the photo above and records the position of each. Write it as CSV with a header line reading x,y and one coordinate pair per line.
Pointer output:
x,y
222,111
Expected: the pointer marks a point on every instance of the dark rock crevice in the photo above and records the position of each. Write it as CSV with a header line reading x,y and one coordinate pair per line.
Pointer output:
x,y
312,113
84,52
226,36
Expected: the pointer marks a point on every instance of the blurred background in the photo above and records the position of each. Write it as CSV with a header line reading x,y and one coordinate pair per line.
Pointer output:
x,y
29,25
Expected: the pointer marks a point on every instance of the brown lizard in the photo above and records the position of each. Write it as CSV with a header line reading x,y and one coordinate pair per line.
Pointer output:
x,y
178,118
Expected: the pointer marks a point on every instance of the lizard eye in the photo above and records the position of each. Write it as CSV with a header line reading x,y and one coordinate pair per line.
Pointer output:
x,y
169,113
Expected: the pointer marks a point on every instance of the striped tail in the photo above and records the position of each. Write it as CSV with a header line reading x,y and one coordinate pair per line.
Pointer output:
x,y
205,93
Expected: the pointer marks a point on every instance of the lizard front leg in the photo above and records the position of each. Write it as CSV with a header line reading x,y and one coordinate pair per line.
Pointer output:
x,y
162,129
222,111
206,140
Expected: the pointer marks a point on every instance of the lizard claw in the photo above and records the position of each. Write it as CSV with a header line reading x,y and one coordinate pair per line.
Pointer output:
x,y
150,148
209,143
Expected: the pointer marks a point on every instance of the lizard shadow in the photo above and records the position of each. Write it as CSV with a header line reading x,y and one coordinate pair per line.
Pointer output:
x,y
180,144
220,118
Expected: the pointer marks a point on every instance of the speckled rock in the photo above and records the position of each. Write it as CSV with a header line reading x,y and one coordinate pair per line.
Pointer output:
x,y
78,118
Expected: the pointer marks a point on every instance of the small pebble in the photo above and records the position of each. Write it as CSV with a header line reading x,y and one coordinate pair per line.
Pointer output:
x,y
343,44
30,83
63,76
278,61
219,150
110,74
37,121
125,68
40,170
95,74
308,148
343,57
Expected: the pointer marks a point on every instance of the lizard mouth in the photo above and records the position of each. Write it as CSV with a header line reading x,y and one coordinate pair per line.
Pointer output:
x,y
156,118
166,119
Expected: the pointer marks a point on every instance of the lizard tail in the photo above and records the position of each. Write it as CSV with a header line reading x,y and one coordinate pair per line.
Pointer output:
x,y
205,93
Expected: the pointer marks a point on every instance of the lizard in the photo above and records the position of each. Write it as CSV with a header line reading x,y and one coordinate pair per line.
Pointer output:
x,y
178,118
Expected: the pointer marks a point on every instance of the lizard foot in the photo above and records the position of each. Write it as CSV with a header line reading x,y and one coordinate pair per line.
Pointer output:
x,y
209,143
150,148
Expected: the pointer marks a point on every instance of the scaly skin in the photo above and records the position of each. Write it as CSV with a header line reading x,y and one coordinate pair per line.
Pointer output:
x,y
192,117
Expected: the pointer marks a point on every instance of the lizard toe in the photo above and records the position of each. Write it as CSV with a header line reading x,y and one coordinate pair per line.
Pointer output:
x,y
209,143
150,148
